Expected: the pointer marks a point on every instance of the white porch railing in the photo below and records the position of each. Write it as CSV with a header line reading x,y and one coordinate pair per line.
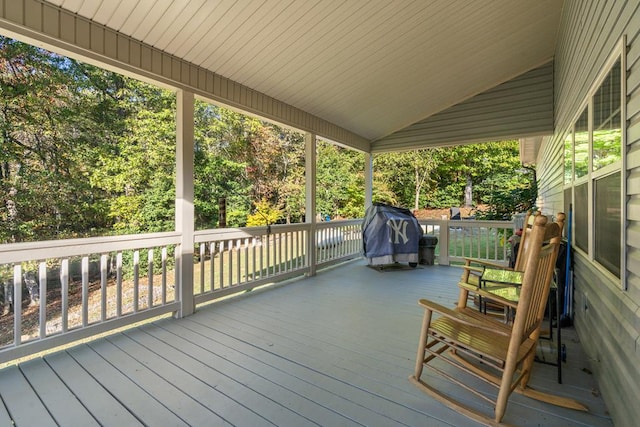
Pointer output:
x,y
460,239
82,287
235,260
62,291
56,292
337,240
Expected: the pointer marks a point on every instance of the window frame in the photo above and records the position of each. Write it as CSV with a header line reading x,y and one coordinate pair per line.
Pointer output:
x,y
618,54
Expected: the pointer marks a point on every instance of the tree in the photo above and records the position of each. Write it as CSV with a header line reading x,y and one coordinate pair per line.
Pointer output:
x,y
246,161
508,193
465,166
47,137
445,177
340,181
411,173
218,172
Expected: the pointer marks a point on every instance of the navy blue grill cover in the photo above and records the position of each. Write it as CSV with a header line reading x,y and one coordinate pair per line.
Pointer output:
x,y
390,234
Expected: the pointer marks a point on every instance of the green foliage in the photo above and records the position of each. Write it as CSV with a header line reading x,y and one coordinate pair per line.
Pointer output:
x,y
438,178
507,194
441,198
410,175
124,211
264,214
85,151
340,182
237,217
242,160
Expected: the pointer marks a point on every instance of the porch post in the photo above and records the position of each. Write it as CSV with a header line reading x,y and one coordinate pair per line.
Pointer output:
x,y
310,199
184,202
368,180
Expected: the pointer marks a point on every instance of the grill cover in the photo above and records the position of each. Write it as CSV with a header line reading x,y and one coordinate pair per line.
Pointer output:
x,y
390,234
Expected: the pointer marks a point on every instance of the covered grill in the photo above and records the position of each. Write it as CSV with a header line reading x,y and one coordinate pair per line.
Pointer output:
x,y
390,234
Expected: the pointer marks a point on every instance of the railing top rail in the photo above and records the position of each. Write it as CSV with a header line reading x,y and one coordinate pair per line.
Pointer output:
x,y
338,223
244,232
467,223
249,232
29,251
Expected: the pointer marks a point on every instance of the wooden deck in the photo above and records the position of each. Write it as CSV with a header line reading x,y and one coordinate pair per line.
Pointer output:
x,y
333,350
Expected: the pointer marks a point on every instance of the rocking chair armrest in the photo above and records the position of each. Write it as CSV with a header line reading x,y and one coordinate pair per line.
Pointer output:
x,y
471,268
459,316
485,263
489,295
468,286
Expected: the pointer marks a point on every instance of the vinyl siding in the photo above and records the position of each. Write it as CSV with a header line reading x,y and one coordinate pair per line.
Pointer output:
x,y
607,317
520,107
46,25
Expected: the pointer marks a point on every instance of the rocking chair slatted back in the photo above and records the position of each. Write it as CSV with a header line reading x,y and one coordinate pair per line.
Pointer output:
x,y
526,233
524,241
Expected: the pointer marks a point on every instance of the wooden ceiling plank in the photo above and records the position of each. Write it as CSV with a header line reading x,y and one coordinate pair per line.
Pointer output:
x,y
143,17
293,27
333,50
105,11
157,35
288,59
199,26
203,37
89,8
227,29
178,24
259,40
251,30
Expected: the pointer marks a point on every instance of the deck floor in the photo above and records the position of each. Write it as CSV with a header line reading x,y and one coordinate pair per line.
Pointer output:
x,y
332,350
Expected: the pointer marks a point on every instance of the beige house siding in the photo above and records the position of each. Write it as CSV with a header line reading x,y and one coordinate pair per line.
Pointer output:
x,y
606,316
496,114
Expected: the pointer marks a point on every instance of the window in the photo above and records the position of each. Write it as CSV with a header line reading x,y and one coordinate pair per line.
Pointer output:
x,y
593,164
607,109
581,144
568,200
568,159
581,216
607,218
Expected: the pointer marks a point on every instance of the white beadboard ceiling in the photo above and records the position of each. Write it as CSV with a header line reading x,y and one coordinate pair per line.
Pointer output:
x,y
370,66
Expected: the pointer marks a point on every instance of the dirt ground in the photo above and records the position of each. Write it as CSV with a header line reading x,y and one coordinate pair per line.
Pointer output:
x,y
444,213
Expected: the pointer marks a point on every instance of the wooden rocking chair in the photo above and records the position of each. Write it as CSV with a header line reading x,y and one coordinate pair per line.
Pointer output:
x,y
473,268
501,356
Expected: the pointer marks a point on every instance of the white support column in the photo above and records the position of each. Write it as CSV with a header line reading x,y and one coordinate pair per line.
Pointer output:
x,y
184,202
310,198
443,241
368,180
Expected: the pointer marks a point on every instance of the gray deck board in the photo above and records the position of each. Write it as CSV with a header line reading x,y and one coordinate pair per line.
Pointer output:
x,y
233,390
319,384
150,377
260,365
93,396
59,400
5,418
332,350
138,400
22,402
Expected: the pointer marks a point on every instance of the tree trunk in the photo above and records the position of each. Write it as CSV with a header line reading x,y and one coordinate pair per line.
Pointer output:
x,y
468,193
